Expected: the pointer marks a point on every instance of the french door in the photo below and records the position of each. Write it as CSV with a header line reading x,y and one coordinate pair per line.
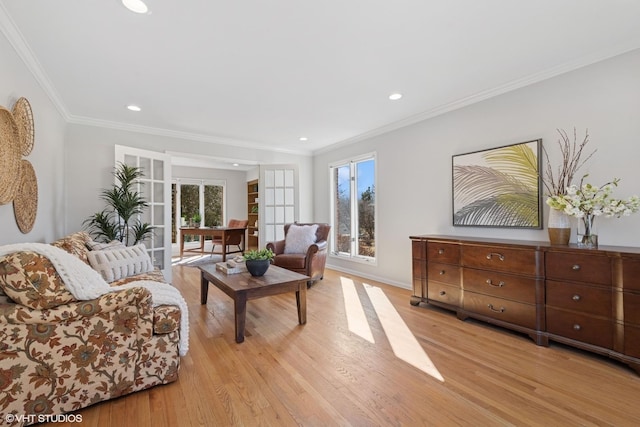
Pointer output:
x,y
278,204
155,187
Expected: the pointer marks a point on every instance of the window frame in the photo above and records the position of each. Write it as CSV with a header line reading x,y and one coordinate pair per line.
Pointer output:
x,y
201,183
352,162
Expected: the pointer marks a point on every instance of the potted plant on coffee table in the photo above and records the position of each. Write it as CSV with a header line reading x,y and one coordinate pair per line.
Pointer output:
x,y
258,261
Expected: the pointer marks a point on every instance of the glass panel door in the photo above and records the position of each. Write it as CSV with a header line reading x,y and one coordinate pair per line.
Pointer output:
x,y
155,187
278,200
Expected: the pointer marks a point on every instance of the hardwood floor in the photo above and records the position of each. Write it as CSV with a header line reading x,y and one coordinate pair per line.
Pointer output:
x,y
322,373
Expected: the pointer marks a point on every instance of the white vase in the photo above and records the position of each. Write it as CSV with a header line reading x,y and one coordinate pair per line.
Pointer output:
x,y
559,227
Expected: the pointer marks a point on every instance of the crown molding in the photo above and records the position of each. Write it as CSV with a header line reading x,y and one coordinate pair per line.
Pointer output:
x,y
17,41
254,145
487,94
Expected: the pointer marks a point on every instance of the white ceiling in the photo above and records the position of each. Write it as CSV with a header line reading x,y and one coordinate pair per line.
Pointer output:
x,y
264,73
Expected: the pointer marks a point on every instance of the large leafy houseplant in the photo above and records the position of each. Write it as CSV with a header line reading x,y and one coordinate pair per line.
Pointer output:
x,y
120,220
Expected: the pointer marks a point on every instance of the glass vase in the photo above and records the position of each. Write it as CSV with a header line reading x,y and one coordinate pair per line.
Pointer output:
x,y
587,235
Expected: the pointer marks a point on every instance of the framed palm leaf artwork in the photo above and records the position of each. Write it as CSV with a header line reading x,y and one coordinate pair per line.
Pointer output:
x,y
499,187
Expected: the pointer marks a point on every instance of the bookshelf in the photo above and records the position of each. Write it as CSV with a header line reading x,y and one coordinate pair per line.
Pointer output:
x,y
252,214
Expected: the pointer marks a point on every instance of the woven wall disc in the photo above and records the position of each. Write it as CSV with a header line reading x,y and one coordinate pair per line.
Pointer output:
x,y
9,156
25,202
23,116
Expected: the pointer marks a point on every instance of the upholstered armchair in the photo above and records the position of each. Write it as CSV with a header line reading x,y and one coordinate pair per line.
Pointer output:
x,y
234,239
303,250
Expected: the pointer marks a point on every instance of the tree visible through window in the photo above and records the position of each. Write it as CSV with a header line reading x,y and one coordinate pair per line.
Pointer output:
x,y
207,200
354,204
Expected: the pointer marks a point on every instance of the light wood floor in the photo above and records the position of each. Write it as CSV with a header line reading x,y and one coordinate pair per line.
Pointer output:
x,y
323,374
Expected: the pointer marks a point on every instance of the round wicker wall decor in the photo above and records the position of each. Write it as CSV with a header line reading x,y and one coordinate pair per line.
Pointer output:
x,y
25,202
24,121
9,157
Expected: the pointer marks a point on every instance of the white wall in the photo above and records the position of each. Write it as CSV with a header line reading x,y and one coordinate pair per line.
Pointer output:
x,y
90,154
47,156
414,163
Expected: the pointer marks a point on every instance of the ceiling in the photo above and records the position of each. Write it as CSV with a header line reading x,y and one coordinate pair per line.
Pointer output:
x,y
265,73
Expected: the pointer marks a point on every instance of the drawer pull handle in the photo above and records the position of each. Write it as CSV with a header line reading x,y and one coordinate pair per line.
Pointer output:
x,y
442,272
576,297
500,310
492,254
442,293
575,267
499,285
440,251
577,327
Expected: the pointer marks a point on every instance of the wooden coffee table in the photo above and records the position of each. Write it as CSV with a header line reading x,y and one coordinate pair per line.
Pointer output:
x,y
242,287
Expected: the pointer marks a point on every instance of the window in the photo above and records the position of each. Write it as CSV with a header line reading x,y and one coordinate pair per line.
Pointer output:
x,y
354,208
191,197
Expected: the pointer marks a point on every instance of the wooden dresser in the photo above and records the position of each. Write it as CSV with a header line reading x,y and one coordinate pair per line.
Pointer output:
x,y
586,298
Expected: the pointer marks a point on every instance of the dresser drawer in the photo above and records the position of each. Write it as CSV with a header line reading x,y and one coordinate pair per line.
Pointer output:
x,y
631,274
631,304
516,288
580,327
447,253
444,293
517,261
446,273
578,267
586,299
508,311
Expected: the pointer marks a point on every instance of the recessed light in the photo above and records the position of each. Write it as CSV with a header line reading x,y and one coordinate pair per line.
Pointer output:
x,y
304,138
133,108
136,6
236,164
395,96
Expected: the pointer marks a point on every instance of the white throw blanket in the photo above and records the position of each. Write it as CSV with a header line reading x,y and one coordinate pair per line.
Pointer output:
x,y
85,283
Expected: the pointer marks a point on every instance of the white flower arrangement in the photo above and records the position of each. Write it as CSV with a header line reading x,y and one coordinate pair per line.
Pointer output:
x,y
590,201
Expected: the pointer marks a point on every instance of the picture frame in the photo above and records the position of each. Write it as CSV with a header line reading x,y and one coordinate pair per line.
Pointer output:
x,y
499,187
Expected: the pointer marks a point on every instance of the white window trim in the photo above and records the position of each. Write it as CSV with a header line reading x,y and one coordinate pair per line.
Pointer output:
x,y
201,183
332,208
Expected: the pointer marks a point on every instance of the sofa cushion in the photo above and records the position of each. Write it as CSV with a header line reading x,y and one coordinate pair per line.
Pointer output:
x,y
115,264
75,244
30,279
299,238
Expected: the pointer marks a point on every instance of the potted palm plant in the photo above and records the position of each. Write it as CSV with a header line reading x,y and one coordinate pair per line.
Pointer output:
x,y
120,220
258,261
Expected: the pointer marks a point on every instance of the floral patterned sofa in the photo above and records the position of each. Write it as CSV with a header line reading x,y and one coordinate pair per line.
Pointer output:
x,y
59,354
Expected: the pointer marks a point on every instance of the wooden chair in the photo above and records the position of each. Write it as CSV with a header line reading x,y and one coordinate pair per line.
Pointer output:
x,y
234,239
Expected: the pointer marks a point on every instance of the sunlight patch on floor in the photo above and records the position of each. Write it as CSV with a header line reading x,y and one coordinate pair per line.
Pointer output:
x,y
404,344
356,318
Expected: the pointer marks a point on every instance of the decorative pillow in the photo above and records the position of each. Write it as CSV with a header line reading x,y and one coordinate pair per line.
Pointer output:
x,y
299,238
31,279
115,264
92,245
75,244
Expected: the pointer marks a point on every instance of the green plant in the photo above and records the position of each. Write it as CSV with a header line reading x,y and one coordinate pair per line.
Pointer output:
x,y
120,219
196,218
257,254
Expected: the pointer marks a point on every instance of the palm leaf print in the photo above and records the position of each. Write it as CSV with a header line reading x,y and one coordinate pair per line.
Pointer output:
x,y
502,193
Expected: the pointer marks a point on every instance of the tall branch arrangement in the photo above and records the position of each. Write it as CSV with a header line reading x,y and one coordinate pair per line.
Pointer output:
x,y
557,184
